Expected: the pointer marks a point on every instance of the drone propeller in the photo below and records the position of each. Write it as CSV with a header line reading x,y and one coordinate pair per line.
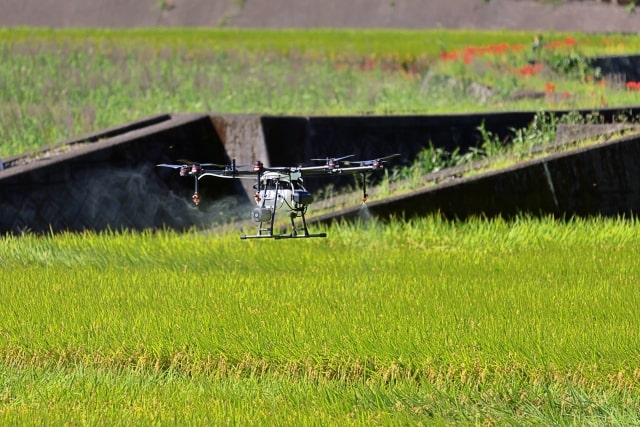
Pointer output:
x,y
376,163
334,159
333,162
189,168
190,163
166,165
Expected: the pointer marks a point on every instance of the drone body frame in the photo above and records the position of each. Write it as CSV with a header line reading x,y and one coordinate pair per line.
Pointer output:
x,y
280,189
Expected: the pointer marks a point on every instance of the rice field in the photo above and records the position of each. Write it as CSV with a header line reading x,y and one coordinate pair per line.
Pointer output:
x,y
428,321
531,321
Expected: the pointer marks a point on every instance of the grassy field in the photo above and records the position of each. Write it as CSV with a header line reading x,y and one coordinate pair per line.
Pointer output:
x,y
429,322
530,321
58,84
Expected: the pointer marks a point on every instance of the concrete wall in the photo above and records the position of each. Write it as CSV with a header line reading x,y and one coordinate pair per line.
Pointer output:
x,y
109,179
624,67
599,180
111,182
295,140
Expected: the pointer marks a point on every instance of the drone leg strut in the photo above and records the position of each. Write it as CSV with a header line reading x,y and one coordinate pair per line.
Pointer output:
x,y
294,232
306,230
365,196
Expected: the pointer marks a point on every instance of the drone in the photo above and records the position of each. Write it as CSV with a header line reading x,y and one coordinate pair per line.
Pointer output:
x,y
281,189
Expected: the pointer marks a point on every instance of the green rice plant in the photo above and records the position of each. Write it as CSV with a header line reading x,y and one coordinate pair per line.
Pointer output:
x,y
462,322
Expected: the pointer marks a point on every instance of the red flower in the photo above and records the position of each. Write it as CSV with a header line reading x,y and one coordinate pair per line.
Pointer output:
x,y
553,44
499,48
448,56
529,70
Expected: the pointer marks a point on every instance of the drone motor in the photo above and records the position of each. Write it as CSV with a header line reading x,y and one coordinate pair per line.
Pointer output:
x,y
261,214
302,197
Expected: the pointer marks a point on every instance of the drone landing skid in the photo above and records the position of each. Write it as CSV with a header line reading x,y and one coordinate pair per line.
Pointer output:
x,y
298,231
283,236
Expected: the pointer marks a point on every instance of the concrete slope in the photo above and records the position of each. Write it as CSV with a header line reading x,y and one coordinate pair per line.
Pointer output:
x,y
110,179
602,179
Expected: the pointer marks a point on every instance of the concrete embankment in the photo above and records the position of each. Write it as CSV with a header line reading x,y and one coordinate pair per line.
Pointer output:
x,y
109,179
602,179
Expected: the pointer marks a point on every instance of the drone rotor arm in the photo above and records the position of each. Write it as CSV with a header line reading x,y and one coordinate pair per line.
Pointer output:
x,y
229,174
166,165
314,170
352,170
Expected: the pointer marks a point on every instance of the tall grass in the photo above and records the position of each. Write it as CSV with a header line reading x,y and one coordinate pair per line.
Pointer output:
x,y
57,84
532,320
65,92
